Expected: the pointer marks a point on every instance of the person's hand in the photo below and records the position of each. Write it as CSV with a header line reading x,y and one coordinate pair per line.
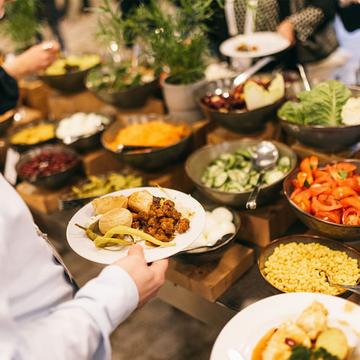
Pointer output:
x,y
148,279
286,29
33,60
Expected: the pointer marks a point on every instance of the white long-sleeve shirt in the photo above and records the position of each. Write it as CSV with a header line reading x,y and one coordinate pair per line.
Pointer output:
x,y
39,318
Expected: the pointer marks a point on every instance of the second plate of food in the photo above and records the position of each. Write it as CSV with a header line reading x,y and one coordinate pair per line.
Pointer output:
x,y
292,326
163,221
254,45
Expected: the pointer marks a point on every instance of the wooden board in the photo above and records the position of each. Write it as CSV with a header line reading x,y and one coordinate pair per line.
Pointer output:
x,y
267,223
40,200
61,105
35,94
304,151
218,135
211,280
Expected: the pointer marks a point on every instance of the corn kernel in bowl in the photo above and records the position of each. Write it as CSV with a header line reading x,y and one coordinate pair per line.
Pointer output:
x,y
300,267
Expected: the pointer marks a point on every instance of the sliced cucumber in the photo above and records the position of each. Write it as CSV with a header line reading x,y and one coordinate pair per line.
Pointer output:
x,y
220,179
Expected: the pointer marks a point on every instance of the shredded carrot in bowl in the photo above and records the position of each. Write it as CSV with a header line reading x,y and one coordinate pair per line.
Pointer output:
x,y
153,133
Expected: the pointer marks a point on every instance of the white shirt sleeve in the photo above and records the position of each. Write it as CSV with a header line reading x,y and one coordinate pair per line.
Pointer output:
x,y
39,319
77,329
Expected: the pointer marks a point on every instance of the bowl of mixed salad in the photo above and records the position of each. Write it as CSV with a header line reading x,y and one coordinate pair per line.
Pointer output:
x,y
245,108
122,85
225,174
327,117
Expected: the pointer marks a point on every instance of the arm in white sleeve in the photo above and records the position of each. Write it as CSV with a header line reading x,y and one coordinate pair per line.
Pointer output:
x,y
77,329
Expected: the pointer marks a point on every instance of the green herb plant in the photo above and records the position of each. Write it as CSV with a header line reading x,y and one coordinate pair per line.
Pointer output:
x,y
110,23
176,40
21,23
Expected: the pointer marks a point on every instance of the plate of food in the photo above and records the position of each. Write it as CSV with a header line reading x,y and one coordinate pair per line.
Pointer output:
x,y
163,221
254,45
299,326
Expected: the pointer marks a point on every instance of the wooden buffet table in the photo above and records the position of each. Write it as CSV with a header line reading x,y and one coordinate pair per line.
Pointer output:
x,y
211,292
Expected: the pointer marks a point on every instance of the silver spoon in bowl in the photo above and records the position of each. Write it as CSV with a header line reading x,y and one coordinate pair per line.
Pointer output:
x,y
263,158
353,288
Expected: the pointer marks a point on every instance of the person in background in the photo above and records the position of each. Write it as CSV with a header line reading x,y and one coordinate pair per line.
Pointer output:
x,y
42,315
31,61
349,12
49,12
307,24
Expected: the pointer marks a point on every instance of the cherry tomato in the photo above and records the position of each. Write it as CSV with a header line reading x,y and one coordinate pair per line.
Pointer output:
x,y
332,216
353,201
342,192
351,216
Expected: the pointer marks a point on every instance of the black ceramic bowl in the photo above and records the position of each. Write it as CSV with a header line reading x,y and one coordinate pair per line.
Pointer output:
x,y
22,147
326,228
53,181
305,239
68,83
323,138
6,121
86,142
237,121
329,138
214,253
147,159
132,97
198,161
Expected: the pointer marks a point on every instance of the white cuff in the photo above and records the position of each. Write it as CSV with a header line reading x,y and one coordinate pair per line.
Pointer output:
x,y
113,291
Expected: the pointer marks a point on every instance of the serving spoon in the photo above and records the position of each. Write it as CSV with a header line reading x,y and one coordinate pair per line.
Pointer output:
x,y
124,148
353,288
263,158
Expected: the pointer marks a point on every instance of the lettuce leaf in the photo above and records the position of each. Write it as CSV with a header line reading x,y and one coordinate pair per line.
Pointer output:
x,y
292,111
320,106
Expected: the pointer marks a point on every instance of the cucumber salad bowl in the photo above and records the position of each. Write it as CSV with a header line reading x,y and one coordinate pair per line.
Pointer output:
x,y
224,172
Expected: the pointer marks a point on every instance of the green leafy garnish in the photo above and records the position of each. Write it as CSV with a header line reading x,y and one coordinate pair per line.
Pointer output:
x,y
303,353
343,174
320,106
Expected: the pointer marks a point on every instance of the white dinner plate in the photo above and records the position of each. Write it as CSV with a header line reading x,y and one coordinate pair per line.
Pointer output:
x,y
184,203
268,43
242,333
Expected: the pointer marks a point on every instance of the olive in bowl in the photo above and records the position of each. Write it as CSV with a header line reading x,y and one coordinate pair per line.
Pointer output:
x,y
49,166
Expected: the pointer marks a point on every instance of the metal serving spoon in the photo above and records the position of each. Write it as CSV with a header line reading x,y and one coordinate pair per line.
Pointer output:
x,y
353,288
304,77
241,78
124,148
263,158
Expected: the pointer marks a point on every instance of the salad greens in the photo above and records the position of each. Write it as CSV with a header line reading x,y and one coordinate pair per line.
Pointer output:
x,y
303,353
320,106
235,173
119,77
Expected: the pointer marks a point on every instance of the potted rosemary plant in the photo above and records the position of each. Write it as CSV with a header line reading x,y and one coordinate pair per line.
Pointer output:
x,y
177,40
21,23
